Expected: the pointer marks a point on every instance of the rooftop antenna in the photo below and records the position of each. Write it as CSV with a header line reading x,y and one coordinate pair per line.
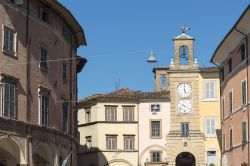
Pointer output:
x,y
184,28
117,84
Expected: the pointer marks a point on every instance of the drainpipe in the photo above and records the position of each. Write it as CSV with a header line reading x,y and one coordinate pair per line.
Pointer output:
x,y
246,37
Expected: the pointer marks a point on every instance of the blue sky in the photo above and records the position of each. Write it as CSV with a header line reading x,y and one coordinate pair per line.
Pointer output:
x,y
120,34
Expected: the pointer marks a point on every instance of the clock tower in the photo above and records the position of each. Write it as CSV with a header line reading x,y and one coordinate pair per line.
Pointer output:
x,y
185,143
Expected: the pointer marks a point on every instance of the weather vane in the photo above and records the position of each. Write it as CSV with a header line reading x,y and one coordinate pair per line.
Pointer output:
x,y
184,28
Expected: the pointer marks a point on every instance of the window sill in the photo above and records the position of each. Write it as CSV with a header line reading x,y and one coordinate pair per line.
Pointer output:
x,y
45,69
10,53
155,137
210,100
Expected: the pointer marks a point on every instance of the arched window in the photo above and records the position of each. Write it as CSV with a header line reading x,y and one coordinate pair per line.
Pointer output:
x,y
163,81
184,55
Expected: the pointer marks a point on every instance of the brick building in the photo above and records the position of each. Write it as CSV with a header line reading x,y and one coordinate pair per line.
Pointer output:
x,y
232,56
37,123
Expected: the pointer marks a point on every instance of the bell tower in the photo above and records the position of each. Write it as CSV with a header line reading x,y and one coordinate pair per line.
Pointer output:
x,y
183,52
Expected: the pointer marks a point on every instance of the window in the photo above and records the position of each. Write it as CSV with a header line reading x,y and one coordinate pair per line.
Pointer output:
x,y
65,116
155,107
223,142
88,143
210,124
9,37
222,73
44,15
211,158
128,142
9,100
163,81
155,128
64,69
87,116
44,107
244,92
242,51
223,108
111,142
184,129
230,67
128,114
67,34
110,113
231,137
43,59
244,132
156,156
210,89
230,102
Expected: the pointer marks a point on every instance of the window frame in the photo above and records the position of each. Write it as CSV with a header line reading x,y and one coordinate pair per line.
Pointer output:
x,y
230,65
131,145
43,10
11,84
244,140
130,112
223,107
230,102
211,134
223,141
14,42
46,93
64,71
43,61
231,137
152,132
187,127
111,138
212,94
158,159
65,127
165,84
244,98
240,51
87,116
88,140
108,117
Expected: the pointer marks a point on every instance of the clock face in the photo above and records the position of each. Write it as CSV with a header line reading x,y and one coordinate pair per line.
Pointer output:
x,y
184,106
184,90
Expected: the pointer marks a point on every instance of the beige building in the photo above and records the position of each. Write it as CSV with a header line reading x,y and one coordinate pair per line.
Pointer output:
x,y
109,128
37,123
232,56
194,117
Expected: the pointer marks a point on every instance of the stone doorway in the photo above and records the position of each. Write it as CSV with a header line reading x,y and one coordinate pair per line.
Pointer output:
x,y
185,159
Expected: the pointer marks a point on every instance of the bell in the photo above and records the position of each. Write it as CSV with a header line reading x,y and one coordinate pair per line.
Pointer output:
x,y
151,58
183,54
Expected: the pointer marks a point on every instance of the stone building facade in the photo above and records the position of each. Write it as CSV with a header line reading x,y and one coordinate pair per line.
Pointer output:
x,y
232,57
38,75
194,133
121,129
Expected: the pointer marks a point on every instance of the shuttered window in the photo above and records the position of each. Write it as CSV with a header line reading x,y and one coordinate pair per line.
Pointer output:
x,y
210,89
230,102
210,125
9,100
244,131
244,92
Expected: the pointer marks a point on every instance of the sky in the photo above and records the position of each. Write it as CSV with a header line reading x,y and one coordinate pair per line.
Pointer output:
x,y
121,33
